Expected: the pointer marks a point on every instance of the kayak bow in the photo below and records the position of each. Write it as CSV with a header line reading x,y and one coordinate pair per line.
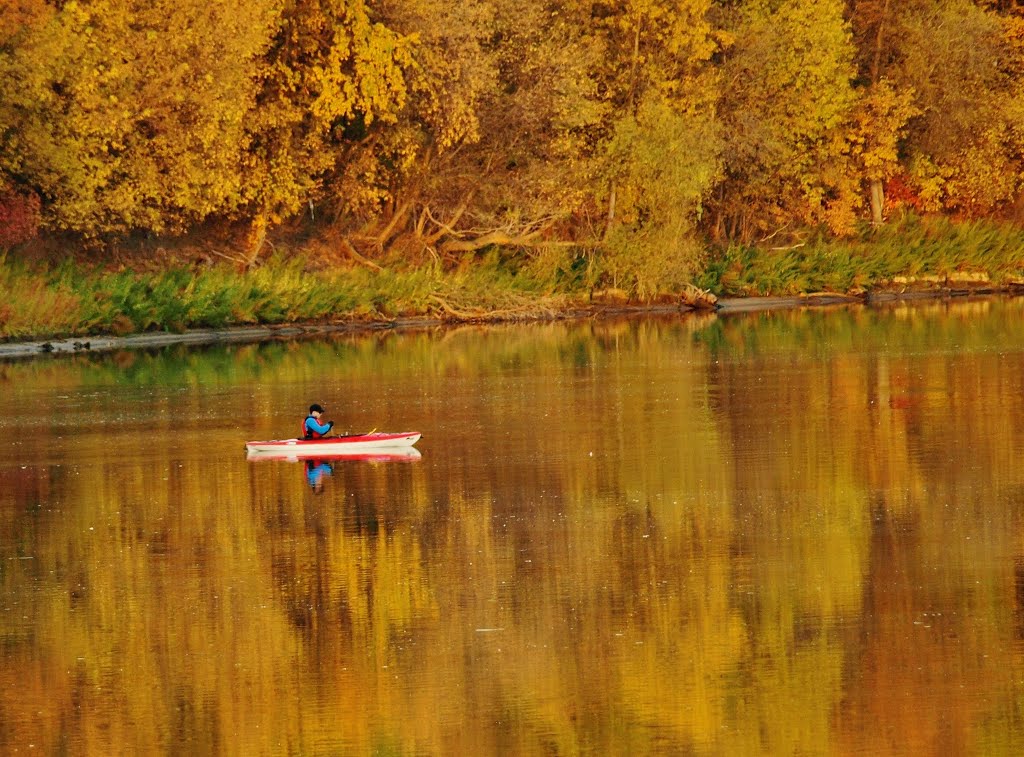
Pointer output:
x,y
334,445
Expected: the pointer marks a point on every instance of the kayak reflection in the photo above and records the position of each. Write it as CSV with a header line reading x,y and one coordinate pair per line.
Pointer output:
x,y
387,455
321,467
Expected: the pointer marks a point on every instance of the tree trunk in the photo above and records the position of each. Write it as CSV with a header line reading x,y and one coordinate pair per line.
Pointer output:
x,y
611,212
497,237
397,217
876,63
877,202
877,190
449,227
256,238
349,249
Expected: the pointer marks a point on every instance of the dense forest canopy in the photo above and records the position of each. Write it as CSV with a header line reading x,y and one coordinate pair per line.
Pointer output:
x,y
425,128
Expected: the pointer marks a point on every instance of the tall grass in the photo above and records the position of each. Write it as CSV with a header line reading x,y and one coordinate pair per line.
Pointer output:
x,y
71,300
915,249
31,304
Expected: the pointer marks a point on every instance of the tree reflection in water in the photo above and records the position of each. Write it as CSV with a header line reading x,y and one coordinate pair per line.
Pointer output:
x,y
789,532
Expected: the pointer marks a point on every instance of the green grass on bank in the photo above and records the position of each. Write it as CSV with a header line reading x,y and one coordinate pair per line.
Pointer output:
x,y
68,299
913,251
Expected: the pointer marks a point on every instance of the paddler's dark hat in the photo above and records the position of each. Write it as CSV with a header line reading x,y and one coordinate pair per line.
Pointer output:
x,y
315,408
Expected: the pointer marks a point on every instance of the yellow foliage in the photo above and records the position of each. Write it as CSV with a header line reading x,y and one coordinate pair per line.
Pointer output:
x,y
880,123
125,115
132,115
157,115
786,112
331,72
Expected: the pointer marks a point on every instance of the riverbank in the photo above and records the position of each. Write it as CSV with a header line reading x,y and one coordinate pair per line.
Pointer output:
x,y
249,334
57,304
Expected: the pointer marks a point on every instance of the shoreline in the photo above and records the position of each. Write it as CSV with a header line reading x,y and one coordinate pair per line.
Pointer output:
x,y
249,334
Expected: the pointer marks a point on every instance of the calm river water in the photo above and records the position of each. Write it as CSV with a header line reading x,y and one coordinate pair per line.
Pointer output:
x,y
789,533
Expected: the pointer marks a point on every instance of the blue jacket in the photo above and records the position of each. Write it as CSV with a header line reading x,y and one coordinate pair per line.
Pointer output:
x,y
312,429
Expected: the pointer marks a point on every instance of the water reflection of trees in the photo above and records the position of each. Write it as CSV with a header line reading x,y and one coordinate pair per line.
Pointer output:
x,y
914,444
832,577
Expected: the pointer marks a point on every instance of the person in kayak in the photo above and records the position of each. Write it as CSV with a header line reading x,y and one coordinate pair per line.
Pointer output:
x,y
312,428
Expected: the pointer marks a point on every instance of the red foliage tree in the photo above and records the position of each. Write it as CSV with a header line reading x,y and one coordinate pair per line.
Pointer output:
x,y
19,217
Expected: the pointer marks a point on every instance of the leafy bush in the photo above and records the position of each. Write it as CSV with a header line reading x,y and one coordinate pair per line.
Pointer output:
x,y
19,217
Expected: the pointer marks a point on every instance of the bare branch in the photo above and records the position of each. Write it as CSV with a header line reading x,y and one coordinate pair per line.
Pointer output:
x,y
775,233
396,218
353,253
499,237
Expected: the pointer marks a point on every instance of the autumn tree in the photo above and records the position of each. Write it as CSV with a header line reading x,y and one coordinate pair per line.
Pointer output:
x,y
571,123
486,147
945,75
157,116
527,171
127,115
385,195
658,149
787,97
330,79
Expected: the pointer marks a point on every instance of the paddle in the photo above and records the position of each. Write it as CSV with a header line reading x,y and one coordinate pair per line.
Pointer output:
x,y
345,436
